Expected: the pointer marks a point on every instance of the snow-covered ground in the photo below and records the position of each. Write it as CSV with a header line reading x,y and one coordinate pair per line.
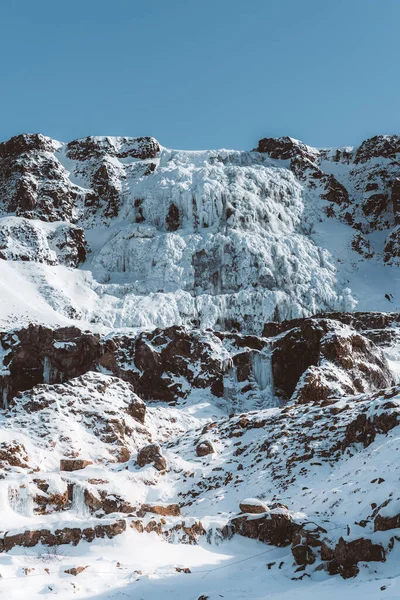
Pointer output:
x,y
217,239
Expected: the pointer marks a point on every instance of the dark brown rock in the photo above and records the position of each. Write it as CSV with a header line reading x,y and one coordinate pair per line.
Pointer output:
x,y
74,464
383,523
204,448
151,455
173,221
364,430
276,527
164,510
360,550
304,350
137,409
253,506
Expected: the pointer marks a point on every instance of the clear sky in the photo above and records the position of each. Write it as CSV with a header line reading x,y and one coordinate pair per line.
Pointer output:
x,y
201,74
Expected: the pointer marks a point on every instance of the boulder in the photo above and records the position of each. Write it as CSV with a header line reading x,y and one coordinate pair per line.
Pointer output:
x,y
204,448
75,570
74,464
253,506
151,455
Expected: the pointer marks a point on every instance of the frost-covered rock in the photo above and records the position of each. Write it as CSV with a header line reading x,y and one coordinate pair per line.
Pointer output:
x,y
32,240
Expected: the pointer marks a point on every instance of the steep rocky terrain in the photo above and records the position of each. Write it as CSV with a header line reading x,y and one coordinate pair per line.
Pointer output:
x,y
199,368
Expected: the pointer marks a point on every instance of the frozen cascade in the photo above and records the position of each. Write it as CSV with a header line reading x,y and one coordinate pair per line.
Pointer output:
x,y
4,497
78,501
262,370
5,398
17,499
46,370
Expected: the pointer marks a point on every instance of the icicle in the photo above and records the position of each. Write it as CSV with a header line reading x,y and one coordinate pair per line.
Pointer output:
x,y
46,370
262,370
4,499
78,501
20,500
5,398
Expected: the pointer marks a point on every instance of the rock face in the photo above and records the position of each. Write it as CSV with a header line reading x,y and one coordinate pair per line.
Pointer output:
x,y
275,527
151,455
348,554
63,536
33,182
38,354
160,365
320,358
386,522
23,239
200,273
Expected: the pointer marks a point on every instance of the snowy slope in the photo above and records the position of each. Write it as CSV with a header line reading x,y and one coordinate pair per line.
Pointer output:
x,y
126,449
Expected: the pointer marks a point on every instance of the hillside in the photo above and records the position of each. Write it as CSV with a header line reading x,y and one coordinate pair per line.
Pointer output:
x,y
199,369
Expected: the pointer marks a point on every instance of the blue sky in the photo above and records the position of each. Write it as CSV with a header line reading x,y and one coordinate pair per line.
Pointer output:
x,y
215,73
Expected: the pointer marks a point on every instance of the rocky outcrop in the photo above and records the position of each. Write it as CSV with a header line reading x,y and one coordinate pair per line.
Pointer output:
x,y
382,146
38,354
364,429
33,182
74,464
253,506
385,522
163,358
152,455
204,448
67,535
123,147
13,454
275,527
320,358
160,365
308,543
164,510
102,502
25,240
285,148
348,553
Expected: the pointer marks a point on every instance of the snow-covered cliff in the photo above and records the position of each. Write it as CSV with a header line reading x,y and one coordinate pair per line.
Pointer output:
x,y
217,238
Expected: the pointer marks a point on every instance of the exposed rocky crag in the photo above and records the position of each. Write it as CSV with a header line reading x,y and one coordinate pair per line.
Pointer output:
x,y
306,359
